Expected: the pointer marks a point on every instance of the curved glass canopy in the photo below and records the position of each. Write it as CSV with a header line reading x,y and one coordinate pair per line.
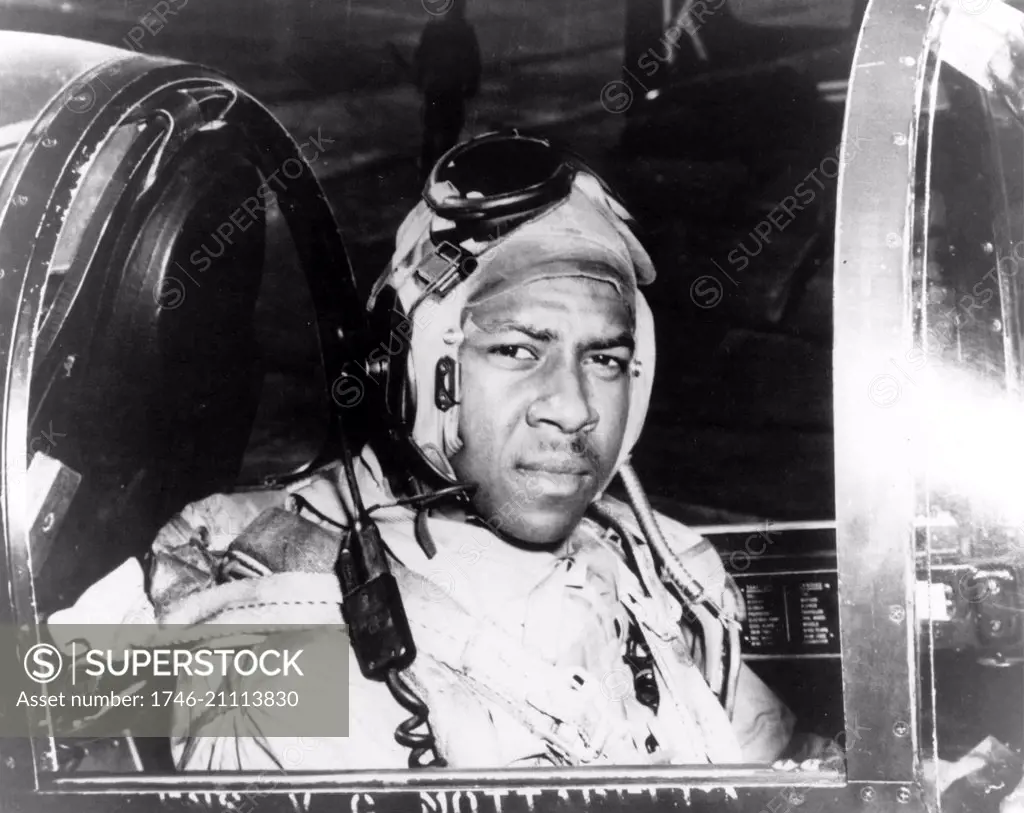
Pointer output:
x,y
928,337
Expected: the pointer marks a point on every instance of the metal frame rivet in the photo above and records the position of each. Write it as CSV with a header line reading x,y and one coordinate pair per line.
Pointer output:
x,y
867,794
900,728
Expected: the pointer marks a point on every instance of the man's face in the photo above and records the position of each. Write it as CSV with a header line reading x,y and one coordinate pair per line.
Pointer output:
x,y
545,392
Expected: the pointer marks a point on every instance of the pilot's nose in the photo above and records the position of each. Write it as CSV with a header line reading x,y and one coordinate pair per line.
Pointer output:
x,y
564,402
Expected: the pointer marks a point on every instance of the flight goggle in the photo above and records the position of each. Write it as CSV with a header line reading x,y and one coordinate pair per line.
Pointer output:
x,y
484,189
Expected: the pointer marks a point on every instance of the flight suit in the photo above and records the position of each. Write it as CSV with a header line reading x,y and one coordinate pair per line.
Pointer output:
x,y
521,654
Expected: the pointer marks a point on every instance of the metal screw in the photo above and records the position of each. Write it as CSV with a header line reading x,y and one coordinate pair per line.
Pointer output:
x,y
9,762
897,614
899,139
997,325
797,799
48,522
988,248
901,729
867,794
69,364
20,200
908,61
49,141
903,795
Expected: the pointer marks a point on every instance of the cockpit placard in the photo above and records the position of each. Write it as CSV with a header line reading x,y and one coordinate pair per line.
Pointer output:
x,y
788,577
791,613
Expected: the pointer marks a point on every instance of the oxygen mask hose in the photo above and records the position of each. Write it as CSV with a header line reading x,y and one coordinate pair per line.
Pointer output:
x,y
691,588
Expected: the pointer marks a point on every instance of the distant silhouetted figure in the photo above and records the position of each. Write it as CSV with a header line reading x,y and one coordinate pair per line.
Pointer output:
x,y
447,67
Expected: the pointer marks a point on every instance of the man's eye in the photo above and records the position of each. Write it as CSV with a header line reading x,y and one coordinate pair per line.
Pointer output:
x,y
513,351
611,363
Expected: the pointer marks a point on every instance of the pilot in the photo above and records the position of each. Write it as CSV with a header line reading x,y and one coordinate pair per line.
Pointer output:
x,y
554,625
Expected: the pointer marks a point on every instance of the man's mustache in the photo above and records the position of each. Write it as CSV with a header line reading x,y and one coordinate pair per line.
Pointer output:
x,y
577,456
